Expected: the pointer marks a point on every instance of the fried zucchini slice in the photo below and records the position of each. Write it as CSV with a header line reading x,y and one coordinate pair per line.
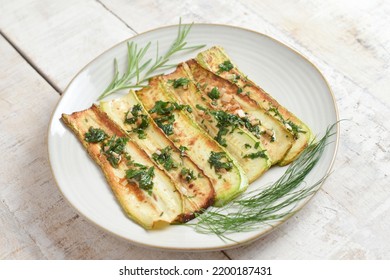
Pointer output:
x,y
227,177
147,195
217,61
226,128
272,135
196,188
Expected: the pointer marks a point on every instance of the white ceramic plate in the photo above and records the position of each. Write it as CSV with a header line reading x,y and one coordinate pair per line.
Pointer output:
x,y
288,76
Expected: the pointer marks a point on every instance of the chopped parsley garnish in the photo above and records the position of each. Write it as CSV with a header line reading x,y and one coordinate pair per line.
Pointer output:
x,y
166,123
129,160
214,93
294,128
140,129
257,145
162,108
234,78
219,138
179,82
113,149
261,154
142,175
187,174
226,123
223,123
164,158
239,90
220,161
247,146
291,126
165,109
137,118
95,135
254,128
184,107
183,150
225,66
135,113
200,107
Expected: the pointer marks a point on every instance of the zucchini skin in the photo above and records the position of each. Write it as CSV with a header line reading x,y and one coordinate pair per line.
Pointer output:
x,y
213,57
131,198
198,194
187,133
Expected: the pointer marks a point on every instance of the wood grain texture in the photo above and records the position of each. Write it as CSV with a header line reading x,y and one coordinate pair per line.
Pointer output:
x,y
36,221
347,40
160,12
338,30
60,37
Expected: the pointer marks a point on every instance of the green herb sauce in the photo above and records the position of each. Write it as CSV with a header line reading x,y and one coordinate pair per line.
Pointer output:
x,y
113,149
137,117
214,93
142,175
95,135
188,174
225,66
179,82
165,159
220,161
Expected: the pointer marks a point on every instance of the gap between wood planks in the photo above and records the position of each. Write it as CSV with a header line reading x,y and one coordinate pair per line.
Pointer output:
x,y
118,17
31,63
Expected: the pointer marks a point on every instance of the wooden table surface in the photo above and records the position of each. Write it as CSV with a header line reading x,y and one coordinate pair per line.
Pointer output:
x,y
44,43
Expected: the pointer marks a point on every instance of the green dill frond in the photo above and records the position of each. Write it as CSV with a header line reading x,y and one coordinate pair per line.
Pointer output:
x,y
273,203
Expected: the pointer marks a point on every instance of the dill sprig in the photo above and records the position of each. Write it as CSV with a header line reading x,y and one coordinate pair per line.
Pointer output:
x,y
138,72
273,203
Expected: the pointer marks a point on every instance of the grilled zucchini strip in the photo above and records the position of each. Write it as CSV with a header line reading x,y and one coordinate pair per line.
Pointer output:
x,y
224,127
154,208
216,60
272,135
131,116
227,177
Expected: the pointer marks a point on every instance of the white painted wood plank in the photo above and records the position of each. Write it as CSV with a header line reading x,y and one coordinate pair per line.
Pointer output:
x,y
61,37
347,35
15,243
146,15
349,218
35,220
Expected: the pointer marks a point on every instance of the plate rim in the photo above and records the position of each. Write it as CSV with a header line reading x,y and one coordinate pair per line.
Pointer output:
x,y
198,249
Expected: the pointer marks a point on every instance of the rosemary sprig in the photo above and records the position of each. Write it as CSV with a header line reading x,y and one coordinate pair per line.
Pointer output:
x,y
137,72
273,203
